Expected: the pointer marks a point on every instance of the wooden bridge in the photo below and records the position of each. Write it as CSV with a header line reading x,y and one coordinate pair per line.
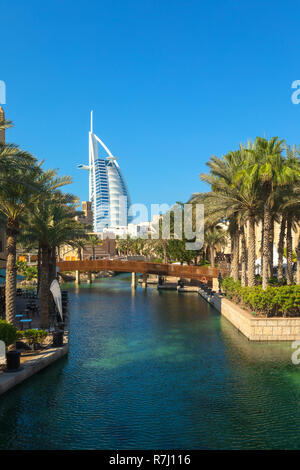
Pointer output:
x,y
143,267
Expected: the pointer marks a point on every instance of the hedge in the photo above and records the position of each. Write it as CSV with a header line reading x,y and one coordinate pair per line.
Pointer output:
x,y
8,333
274,301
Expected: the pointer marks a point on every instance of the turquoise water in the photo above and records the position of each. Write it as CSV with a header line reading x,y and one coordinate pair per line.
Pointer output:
x,y
155,370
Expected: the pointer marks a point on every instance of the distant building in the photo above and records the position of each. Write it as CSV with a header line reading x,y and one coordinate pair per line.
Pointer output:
x,y
87,216
142,229
108,192
105,249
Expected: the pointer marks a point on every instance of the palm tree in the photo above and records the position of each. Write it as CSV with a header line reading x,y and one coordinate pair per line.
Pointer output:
x,y
51,225
79,244
94,241
214,237
19,188
273,172
222,202
234,197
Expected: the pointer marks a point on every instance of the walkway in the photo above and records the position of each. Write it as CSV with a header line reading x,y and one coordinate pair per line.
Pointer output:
x,y
144,267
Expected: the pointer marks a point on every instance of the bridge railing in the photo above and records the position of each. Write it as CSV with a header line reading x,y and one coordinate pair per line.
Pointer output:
x,y
176,270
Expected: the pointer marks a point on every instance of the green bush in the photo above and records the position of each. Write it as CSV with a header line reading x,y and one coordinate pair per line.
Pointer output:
x,y
274,301
29,272
8,333
35,336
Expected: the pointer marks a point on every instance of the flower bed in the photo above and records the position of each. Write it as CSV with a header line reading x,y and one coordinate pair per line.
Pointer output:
x,y
283,301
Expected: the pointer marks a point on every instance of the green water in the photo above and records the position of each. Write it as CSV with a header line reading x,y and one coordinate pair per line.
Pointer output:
x,y
155,370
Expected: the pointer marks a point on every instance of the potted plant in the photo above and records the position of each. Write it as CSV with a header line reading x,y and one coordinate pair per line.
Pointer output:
x,y
9,335
35,337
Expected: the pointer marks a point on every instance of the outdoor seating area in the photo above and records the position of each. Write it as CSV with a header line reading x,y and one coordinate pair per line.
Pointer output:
x,y
28,309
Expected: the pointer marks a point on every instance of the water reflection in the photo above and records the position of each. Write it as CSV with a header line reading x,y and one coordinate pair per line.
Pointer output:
x,y
151,369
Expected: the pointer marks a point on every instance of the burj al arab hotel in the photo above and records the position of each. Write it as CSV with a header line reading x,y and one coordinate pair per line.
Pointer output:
x,y
108,191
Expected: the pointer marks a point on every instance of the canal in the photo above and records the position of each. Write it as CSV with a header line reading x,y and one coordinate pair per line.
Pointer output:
x,y
155,370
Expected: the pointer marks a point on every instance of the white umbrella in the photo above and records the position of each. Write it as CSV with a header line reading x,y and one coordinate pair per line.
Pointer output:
x,y
56,292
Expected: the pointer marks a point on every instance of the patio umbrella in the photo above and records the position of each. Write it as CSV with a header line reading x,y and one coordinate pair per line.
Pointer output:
x,y
56,292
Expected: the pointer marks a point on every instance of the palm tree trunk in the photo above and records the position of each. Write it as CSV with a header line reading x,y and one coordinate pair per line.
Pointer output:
x,y
262,241
280,249
212,256
235,256
271,250
244,258
52,264
298,261
251,252
38,268
165,252
45,286
52,276
266,245
11,271
289,254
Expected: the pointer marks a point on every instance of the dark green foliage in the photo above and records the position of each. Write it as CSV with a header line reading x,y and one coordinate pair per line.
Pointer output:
x,y
274,301
8,333
29,272
35,336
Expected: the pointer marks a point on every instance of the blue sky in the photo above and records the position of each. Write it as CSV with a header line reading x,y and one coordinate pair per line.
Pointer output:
x,y
170,82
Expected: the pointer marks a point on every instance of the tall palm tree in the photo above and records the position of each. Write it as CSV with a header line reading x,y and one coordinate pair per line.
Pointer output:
x,y
19,188
51,225
234,197
273,172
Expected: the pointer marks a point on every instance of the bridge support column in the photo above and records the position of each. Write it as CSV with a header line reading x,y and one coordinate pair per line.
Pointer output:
x,y
144,283
77,277
133,280
89,279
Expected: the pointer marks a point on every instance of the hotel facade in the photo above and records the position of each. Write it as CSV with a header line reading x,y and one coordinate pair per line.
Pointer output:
x,y
108,192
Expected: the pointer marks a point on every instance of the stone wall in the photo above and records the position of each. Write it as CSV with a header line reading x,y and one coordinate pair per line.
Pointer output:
x,y
258,329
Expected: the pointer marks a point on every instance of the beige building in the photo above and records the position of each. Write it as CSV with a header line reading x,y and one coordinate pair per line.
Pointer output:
x,y
106,248
258,239
87,216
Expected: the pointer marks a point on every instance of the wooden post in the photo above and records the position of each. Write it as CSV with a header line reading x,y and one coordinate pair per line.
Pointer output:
x,y
77,274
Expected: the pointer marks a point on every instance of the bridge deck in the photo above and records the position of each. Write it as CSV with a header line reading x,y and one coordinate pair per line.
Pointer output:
x,y
177,270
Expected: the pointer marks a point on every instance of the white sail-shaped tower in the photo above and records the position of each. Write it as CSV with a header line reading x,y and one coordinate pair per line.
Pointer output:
x,y
108,191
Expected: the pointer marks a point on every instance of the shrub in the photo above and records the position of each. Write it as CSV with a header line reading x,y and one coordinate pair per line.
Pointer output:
x,y
29,272
8,333
35,336
274,301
